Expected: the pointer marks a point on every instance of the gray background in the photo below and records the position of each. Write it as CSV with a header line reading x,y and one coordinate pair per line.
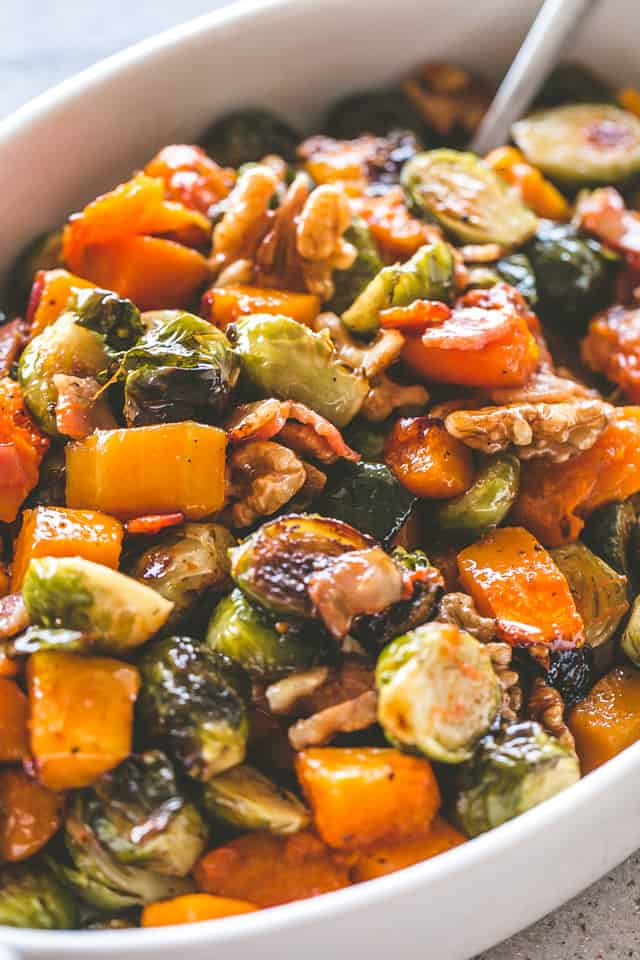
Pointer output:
x,y
44,41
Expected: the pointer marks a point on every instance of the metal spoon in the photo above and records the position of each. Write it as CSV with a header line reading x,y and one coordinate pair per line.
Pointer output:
x,y
535,59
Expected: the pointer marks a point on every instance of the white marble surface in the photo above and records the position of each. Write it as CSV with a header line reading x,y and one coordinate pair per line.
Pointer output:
x,y
44,41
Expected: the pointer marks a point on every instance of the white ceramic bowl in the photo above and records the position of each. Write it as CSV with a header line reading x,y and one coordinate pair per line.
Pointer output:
x,y
296,55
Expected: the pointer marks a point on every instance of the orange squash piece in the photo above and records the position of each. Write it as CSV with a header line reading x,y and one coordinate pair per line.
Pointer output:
x,y
224,305
5,580
427,460
14,713
61,532
511,577
612,347
555,498
30,814
22,447
534,189
166,468
365,796
193,908
81,716
52,289
190,176
386,858
397,233
608,720
268,870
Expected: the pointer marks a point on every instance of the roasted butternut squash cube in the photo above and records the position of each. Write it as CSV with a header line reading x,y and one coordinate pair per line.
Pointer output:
x,y
167,468
60,532
193,908
386,858
608,720
52,290
29,814
225,305
14,711
81,716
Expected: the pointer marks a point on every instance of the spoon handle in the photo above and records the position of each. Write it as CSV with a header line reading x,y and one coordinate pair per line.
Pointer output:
x,y
535,59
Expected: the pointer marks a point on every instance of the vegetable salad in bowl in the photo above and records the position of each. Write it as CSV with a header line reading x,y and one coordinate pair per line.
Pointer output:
x,y
319,477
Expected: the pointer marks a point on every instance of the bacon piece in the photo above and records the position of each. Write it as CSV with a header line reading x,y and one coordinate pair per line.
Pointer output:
x,y
416,317
13,615
261,420
79,409
153,523
323,428
603,212
13,336
36,295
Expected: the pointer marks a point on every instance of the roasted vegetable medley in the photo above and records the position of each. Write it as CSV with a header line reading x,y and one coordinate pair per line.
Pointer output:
x,y
319,493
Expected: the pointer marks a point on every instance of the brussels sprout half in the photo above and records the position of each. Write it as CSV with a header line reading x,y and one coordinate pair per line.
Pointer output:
x,y
608,532
372,111
487,501
31,896
512,770
141,818
466,198
79,595
194,700
244,798
185,564
428,275
273,565
283,358
437,692
517,270
350,283
573,83
600,594
115,318
249,134
183,369
581,143
247,635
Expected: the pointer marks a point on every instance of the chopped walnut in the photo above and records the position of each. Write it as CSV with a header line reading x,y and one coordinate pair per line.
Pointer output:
x,y
302,438
544,386
546,705
373,357
447,97
556,431
261,477
238,272
246,220
385,396
481,252
345,717
319,239
284,696
313,486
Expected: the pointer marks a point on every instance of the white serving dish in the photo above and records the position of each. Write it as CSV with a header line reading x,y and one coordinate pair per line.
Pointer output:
x,y
296,55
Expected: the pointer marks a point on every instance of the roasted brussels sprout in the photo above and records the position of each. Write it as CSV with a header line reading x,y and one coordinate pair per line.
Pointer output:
x,y
572,673
194,700
437,692
140,817
573,274
36,638
572,83
244,798
43,253
31,896
370,498
272,565
600,594
250,134
64,347
467,198
581,143
184,369
76,594
517,270
350,283
511,771
50,490
372,111
487,501
281,357
248,635
185,564
104,312
99,878
429,274
608,532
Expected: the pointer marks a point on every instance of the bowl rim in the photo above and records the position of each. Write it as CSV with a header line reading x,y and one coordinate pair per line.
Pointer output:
x,y
584,793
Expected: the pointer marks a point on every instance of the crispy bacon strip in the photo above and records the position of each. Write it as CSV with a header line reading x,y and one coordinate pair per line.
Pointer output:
x,y
154,523
416,317
79,408
13,336
603,212
261,420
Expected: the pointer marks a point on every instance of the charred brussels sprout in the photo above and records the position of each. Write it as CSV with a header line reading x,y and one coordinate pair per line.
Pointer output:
x,y
194,700
630,642
244,798
572,83
581,143
273,565
31,896
185,564
245,135
350,283
372,111
43,253
517,270
50,490
370,498
247,635
35,639
437,692
608,532
429,274
283,358
512,771
368,438
141,818
104,312
467,198
600,594
76,594
487,501
64,347
184,369
573,274
572,673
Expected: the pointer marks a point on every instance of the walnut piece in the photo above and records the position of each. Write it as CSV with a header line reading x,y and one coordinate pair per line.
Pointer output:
x,y
385,396
346,717
545,704
243,225
284,696
373,357
556,431
261,477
